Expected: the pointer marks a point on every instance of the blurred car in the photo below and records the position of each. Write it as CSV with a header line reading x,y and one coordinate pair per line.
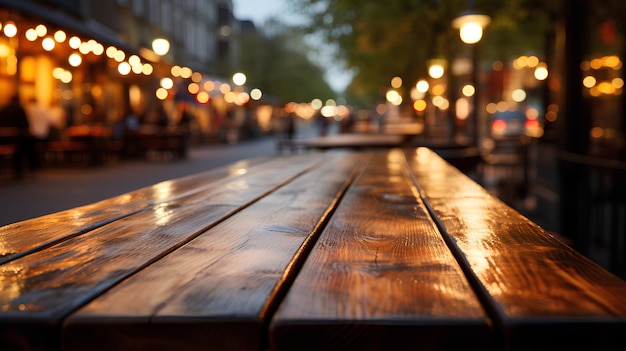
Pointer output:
x,y
514,124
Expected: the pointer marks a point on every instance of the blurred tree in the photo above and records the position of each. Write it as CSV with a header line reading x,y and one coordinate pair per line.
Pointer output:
x,y
383,39
275,60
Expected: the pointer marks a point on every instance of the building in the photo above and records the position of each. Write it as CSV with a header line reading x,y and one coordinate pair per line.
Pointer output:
x,y
93,63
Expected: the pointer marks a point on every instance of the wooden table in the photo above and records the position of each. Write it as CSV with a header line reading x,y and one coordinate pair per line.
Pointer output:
x,y
354,141
391,249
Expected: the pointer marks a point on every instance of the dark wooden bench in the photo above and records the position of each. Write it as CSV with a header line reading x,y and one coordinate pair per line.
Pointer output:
x,y
340,250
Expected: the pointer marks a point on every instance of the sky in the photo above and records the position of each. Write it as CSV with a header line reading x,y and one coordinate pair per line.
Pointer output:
x,y
259,10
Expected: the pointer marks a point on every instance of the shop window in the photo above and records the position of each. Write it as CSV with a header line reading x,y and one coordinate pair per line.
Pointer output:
x,y
603,81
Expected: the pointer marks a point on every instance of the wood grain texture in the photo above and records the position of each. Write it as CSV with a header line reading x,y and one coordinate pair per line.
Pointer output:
x,y
40,289
541,293
25,237
350,141
380,276
217,291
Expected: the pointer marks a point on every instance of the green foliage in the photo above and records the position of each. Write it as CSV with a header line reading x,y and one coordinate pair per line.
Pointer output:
x,y
383,39
275,60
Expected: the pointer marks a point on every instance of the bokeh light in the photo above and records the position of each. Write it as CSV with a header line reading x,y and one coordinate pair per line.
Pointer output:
x,y
203,97
436,71
422,86
147,69
66,76
518,95
41,30
193,88
256,94
31,34
161,93
160,46
420,105
75,42
468,90
471,33
393,97
317,104
239,78
225,88
48,44
60,36
167,83
396,82
75,60
541,72
10,29
124,68
209,85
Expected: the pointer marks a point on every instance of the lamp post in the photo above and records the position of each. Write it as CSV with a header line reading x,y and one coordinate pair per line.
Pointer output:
x,y
470,24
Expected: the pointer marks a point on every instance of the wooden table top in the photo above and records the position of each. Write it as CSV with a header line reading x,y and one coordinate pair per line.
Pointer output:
x,y
350,141
386,249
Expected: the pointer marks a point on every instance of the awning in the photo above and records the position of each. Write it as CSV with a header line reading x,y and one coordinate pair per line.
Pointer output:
x,y
88,27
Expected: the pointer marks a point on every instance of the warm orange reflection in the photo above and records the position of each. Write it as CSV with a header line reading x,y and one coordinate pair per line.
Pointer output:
x,y
240,171
239,185
162,191
163,214
395,159
12,283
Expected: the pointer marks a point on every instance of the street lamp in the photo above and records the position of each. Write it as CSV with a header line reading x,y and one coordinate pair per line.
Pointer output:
x,y
470,24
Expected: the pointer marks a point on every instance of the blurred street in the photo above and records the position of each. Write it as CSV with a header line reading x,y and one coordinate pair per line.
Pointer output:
x,y
60,188
57,188
529,184
128,219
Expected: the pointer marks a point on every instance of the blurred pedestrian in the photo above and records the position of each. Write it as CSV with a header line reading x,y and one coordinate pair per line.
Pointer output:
x,y
163,118
347,124
324,123
13,115
290,129
38,120
184,126
15,125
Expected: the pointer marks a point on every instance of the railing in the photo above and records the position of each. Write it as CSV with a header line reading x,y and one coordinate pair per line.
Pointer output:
x,y
593,208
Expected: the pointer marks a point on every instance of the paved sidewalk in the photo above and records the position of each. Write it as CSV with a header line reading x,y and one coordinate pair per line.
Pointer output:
x,y
56,189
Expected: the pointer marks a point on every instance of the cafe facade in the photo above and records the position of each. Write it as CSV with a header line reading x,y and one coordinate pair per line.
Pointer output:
x,y
93,63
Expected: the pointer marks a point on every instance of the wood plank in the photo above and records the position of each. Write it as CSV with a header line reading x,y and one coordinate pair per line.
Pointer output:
x,y
380,276
218,291
25,237
541,293
40,289
350,141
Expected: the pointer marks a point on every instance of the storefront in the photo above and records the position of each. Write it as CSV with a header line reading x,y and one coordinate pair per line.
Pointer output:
x,y
80,75
77,79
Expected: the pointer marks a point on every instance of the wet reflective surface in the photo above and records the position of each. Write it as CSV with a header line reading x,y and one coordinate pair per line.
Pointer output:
x,y
329,248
